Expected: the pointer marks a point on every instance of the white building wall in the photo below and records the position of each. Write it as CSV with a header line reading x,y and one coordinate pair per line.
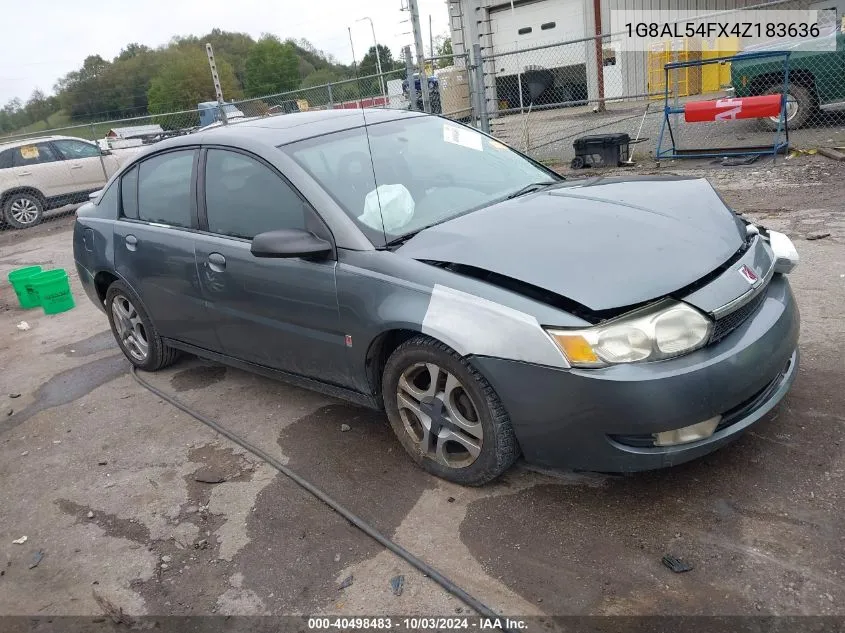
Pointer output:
x,y
468,15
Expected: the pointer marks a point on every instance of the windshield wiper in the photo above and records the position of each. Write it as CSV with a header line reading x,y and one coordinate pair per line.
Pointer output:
x,y
530,188
404,238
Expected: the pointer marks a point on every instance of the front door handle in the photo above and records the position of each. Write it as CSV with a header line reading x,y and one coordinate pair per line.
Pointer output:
x,y
131,242
76,166
217,262
24,173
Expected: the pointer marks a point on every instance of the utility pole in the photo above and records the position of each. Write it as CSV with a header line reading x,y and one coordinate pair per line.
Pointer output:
x,y
430,39
418,43
217,89
518,64
599,44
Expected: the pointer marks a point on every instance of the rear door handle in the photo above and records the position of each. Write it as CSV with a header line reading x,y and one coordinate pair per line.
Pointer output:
x,y
217,262
76,166
131,242
24,173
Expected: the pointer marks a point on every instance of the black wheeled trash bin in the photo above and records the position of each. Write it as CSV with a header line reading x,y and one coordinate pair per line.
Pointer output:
x,y
600,150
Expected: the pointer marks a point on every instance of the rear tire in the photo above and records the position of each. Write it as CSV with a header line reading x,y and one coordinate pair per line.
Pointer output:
x,y
445,414
23,210
134,330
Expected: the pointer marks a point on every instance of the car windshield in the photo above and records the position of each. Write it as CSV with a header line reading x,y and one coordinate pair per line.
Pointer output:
x,y
401,176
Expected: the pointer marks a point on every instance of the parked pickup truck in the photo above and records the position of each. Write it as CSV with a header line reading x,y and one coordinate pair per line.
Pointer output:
x,y
816,78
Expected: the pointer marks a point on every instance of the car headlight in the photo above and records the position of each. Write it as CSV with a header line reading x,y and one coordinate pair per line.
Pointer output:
x,y
656,332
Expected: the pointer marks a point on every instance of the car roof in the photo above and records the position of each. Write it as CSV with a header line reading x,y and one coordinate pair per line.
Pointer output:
x,y
37,139
281,129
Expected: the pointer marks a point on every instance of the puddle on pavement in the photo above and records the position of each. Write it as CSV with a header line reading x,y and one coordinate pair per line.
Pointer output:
x,y
68,386
197,377
87,347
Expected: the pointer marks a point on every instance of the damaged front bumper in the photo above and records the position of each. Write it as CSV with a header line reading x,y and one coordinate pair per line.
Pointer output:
x,y
605,419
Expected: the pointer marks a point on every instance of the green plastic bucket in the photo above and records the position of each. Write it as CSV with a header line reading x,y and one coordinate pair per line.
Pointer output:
x,y
53,291
20,279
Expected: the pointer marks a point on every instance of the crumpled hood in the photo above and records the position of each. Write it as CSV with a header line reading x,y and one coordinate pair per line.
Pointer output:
x,y
604,242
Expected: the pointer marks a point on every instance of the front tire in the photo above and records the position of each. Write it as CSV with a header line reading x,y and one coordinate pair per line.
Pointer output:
x,y
445,414
134,331
23,210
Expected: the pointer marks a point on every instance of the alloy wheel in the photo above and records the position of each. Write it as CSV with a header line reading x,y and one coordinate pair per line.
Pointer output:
x,y
129,327
439,415
24,210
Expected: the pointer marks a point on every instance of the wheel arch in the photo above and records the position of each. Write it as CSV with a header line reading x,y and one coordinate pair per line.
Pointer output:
x,y
797,76
379,350
33,191
102,281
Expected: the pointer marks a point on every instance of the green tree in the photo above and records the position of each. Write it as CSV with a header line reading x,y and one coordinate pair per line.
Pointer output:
x,y
184,80
443,46
320,78
233,47
131,50
39,107
368,65
271,67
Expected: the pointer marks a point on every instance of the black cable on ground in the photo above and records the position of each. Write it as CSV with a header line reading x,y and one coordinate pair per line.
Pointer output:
x,y
354,519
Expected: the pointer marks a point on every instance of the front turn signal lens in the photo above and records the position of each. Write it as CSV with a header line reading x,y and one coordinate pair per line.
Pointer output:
x,y
576,348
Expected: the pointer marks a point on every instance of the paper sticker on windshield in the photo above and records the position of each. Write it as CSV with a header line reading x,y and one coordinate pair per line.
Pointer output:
x,y
461,136
29,152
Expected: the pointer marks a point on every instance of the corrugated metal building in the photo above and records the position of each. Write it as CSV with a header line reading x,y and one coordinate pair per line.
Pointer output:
x,y
510,35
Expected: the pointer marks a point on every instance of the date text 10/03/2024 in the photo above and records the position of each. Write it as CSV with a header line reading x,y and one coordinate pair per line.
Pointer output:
x,y
415,623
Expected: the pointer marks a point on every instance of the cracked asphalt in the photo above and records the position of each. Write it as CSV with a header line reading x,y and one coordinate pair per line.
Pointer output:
x,y
117,488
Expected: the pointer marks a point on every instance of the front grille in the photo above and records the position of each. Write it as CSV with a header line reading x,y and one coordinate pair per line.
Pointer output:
x,y
732,321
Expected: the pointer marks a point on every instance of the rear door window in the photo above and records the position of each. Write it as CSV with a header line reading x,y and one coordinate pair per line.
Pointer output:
x,y
165,189
35,154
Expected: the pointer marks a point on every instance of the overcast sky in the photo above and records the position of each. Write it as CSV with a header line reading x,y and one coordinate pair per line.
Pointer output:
x,y
41,40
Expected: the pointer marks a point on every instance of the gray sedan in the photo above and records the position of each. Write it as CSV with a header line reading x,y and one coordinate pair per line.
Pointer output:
x,y
490,307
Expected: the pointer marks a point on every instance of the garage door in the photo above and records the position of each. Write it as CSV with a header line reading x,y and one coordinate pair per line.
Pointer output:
x,y
535,24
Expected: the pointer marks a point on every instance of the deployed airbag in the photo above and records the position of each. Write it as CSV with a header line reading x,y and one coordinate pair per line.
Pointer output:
x,y
388,208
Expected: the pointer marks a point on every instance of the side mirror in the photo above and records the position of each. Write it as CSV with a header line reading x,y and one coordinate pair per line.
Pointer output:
x,y
289,243
105,152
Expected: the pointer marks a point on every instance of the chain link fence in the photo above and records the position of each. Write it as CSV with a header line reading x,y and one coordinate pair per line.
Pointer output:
x,y
45,175
541,99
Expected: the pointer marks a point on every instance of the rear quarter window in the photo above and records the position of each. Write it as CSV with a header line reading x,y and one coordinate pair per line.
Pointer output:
x,y
107,202
129,194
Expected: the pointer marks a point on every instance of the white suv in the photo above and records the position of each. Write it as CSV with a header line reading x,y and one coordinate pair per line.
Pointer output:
x,y
38,174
